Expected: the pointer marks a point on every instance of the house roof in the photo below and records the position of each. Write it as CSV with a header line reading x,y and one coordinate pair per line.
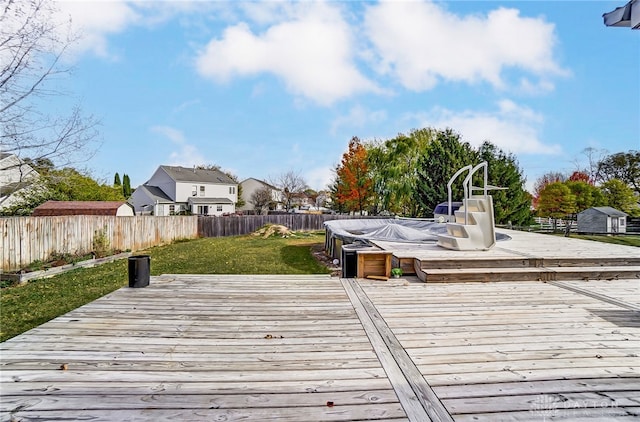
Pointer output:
x,y
184,174
203,200
51,208
260,181
156,194
611,212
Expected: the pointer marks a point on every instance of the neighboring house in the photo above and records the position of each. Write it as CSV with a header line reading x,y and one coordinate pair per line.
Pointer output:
x,y
602,220
113,208
16,177
302,201
251,185
180,190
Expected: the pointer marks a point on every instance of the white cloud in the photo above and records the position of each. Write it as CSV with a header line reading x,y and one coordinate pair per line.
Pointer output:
x,y
267,12
357,118
511,127
94,21
421,43
311,52
186,155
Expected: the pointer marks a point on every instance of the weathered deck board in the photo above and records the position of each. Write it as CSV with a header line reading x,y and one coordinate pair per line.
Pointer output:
x,y
518,351
202,348
224,347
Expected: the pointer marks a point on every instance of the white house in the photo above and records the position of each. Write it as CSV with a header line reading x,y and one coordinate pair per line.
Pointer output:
x,y
178,190
15,176
251,185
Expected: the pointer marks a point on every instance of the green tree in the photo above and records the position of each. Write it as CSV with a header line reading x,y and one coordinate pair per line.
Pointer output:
x,y
42,165
512,204
624,166
543,181
557,202
66,184
393,166
442,158
126,186
618,195
69,184
116,180
586,195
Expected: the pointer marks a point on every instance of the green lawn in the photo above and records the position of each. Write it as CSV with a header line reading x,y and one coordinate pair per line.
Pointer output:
x,y
31,304
629,240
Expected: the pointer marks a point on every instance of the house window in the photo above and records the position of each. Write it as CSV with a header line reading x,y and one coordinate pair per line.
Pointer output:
x,y
172,209
219,208
194,190
203,209
232,190
622,222
201,190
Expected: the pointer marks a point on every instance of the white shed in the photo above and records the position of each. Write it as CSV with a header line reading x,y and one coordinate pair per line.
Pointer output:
x,y
602,220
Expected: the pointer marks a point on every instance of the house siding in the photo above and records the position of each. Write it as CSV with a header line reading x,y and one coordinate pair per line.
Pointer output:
x,y
15,177
249,186
162,180
180,191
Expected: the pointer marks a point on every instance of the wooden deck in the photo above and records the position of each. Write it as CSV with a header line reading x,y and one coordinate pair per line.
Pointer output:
x,y
526,257
316,348
307,348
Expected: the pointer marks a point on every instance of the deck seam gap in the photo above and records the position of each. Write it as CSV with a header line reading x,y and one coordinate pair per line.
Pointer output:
x,y
422,391
597,296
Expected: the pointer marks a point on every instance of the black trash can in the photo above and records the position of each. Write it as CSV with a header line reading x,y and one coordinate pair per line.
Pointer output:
x,y
139,270
349,262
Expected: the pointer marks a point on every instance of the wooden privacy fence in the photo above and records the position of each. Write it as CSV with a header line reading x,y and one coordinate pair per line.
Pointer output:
x,y
27,239
238,225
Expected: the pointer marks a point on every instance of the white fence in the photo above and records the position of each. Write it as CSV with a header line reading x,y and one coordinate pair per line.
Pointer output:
x,y
27,239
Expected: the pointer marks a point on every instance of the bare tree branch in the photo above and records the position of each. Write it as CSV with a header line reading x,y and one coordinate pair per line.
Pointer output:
x,y
291,184
32,44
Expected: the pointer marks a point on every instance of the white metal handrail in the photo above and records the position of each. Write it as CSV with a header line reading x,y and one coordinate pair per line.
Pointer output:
x,y
455,176
468,187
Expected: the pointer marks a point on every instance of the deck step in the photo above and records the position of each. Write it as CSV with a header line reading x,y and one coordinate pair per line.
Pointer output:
x,y
597,273
444,275
451,275
515,262
477,263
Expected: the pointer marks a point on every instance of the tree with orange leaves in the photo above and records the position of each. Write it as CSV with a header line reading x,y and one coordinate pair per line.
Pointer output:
x,y
353,186
580,176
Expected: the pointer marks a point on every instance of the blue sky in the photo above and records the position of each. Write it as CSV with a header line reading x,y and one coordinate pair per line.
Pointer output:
x,y
261,88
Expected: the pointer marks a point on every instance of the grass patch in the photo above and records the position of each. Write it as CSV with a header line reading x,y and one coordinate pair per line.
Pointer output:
x,y
629,240
26,306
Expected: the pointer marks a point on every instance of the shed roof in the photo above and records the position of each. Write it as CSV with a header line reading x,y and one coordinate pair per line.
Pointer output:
x,y
609,211
184,174
51,208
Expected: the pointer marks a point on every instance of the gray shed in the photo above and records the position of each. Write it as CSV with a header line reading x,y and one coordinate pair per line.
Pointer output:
x,y
602,220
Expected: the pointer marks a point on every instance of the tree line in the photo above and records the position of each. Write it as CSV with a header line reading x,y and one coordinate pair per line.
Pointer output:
x,y
408,174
